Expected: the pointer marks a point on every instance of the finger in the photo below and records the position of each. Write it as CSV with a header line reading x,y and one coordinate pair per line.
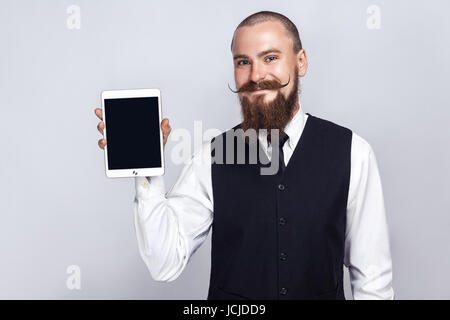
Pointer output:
x,y
98,113
164,123
101,126
165,126
102,143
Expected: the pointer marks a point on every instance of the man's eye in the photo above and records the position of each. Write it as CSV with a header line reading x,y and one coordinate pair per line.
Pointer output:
x,y
242,62
271,58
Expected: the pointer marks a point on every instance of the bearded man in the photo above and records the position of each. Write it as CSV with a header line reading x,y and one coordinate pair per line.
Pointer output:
x,y
285,234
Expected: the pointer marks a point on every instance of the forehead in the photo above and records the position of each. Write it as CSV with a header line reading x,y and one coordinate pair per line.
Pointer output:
x,y
250,40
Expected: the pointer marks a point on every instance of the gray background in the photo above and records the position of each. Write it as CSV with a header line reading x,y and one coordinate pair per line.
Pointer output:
x,y
57,207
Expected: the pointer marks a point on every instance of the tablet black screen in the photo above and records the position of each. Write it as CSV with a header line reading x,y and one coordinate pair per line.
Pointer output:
x,y
132,133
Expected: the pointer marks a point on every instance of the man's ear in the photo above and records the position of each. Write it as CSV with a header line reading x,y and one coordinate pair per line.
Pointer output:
x,y
302,63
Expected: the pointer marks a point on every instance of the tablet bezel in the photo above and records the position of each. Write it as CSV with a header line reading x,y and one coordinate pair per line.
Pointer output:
x,y
133,172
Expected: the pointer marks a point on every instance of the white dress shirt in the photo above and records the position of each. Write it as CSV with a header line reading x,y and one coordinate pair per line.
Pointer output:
x,y
171,226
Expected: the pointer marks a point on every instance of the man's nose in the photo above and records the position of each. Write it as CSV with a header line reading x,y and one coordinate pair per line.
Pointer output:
x,y
257,73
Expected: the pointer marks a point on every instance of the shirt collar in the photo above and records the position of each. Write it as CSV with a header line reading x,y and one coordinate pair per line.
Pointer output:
x,y
295,126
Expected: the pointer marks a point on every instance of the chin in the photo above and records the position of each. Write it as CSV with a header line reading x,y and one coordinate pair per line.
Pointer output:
x,y
269,96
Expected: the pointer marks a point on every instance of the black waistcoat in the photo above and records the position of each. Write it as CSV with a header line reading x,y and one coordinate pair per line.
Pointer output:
x,y
282,237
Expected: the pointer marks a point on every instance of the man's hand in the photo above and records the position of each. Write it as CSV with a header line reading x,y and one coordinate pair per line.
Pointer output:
x,y
165,127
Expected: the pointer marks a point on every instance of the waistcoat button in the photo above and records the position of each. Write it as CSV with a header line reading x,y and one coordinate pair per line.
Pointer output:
x,y
283,291
283,256
282,221
281,187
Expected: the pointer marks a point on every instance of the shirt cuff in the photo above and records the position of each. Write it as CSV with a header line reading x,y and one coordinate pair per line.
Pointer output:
x,y
148,188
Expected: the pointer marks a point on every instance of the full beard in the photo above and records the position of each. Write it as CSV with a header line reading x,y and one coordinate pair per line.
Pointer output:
x,y
272,115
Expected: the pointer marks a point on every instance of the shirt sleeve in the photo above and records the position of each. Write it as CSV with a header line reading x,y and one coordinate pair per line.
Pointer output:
x,y
171,226
367,250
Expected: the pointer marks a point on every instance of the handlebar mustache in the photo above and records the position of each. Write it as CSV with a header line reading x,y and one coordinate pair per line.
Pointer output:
x,y
252,86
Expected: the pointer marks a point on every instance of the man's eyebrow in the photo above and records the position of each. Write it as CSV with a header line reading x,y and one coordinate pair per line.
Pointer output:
x,y
262,53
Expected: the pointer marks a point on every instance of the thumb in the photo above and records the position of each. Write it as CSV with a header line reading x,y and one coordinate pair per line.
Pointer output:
x,y
166,129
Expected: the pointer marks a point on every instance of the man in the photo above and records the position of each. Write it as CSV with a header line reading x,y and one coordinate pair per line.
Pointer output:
x,y
274,236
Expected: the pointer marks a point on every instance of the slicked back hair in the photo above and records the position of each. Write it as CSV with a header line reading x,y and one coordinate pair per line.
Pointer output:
x,y
264,16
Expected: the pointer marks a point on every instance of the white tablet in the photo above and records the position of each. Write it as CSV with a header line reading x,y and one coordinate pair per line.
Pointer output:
x,y
134,140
